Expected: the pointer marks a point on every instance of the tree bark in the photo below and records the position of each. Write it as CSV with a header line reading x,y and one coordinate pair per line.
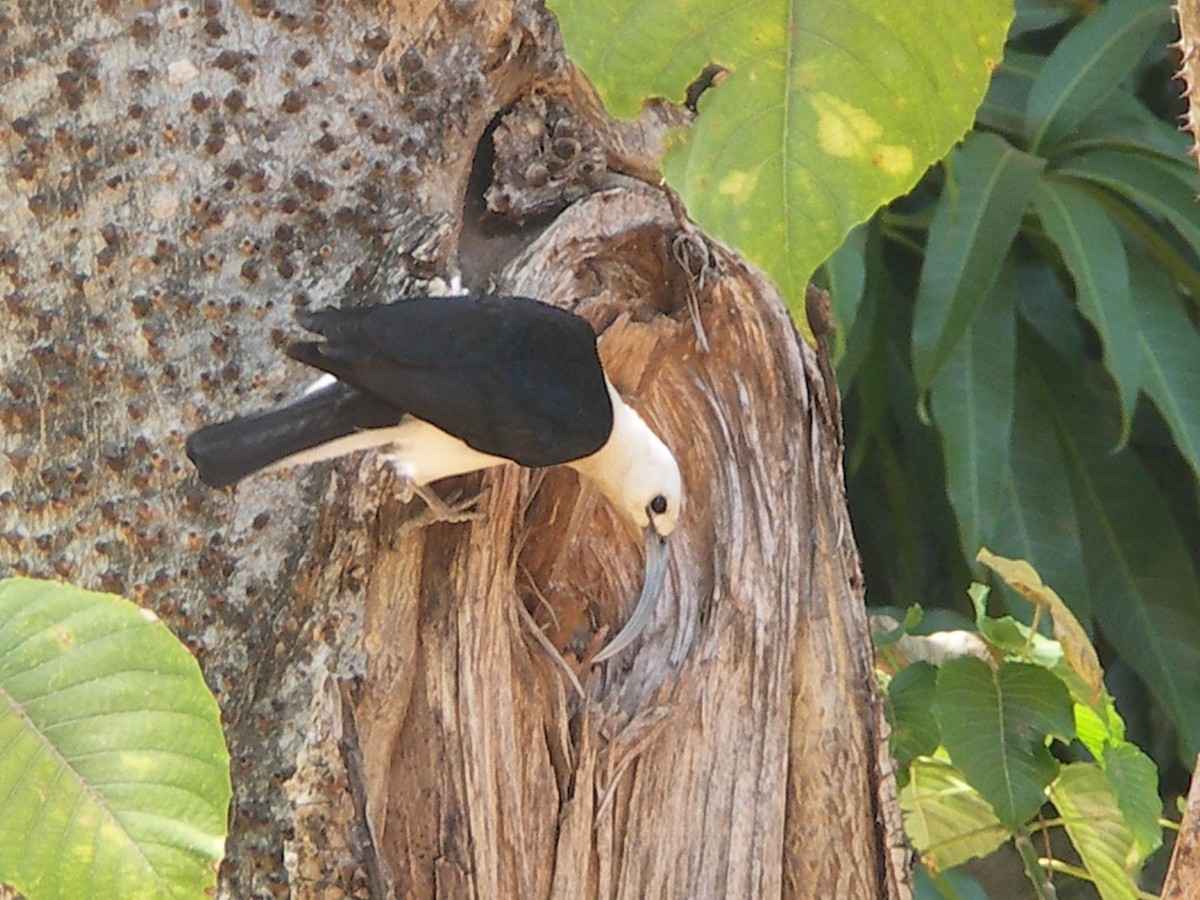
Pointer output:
x,y
404,699
1183,873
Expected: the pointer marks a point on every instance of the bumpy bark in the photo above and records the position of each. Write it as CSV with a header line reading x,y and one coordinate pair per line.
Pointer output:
x,y
1188,14
1183,874
403,699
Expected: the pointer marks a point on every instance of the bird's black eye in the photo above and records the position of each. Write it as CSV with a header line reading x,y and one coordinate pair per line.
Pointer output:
x,y
658,505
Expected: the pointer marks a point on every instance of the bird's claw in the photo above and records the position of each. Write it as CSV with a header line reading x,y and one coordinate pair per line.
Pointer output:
x,y
455,509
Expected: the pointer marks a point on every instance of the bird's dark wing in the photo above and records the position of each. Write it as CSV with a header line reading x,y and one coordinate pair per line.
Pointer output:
x,y
510,376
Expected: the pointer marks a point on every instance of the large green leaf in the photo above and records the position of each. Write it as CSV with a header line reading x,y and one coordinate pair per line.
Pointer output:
x,y
1133,778
1092,249
828,111
945,818
114,778
1170,351
1096,827
1123,122
1161,188
1088,65
1039,521
989,186
1162,245
910,711
972,403
992,721
1143,587
1048,309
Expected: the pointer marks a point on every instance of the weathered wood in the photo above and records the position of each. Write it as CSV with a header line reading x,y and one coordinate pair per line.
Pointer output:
x,y
1187,12
179,184
1183,874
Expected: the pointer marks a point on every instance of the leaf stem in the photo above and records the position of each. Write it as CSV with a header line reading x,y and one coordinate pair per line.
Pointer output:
x,y
1033,630
1046,824
1038,875
1057,865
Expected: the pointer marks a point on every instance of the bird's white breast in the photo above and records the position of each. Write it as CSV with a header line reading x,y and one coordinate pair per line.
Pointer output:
x,y
424,453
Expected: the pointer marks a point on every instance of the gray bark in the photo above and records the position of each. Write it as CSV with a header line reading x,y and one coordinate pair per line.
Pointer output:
x,y
403,700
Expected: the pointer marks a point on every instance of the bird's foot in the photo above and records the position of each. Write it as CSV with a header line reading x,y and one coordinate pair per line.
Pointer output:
x,y
454,510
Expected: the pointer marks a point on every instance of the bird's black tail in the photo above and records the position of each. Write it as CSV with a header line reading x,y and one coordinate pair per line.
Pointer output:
x,y
229,451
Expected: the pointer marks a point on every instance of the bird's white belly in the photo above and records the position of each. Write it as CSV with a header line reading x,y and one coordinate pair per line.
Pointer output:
x,y
419,451
424,453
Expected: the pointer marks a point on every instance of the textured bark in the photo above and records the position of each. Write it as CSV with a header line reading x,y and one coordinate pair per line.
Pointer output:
x,y
1183,874
1188,14
403,699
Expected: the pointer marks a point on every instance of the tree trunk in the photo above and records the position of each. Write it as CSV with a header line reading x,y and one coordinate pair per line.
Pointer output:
x,y
403,698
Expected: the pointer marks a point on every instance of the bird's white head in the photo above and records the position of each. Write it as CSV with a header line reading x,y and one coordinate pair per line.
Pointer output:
x,y
639,476
636,472
653,491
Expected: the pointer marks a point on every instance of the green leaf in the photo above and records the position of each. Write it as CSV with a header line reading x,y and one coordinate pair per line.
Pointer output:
x,y
1046,307
952,885
847,276
1146,234
993,724
1034,15
979,594
1091,247
1097,829
931,620
1123,122
1040,522
945,818
114,774
910,706
972,403
1094,730
912,619
1088,65
987,192
1161,189
1017,641
1138,568
1170,351
1133,778
1075,661
827,113
1003,107
853,345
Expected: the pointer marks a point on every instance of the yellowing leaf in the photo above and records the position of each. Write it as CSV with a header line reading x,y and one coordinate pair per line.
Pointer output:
x,y
1077,647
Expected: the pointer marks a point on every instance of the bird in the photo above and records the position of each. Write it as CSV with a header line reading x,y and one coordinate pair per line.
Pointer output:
x,y
443,386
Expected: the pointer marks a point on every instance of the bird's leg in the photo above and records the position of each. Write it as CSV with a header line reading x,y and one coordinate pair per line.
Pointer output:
x,y
456,509
437,509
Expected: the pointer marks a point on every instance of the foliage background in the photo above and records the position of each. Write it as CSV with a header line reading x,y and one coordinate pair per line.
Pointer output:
x,y
1020,362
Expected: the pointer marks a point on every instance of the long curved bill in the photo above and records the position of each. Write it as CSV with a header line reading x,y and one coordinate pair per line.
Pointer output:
x,y
657,557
